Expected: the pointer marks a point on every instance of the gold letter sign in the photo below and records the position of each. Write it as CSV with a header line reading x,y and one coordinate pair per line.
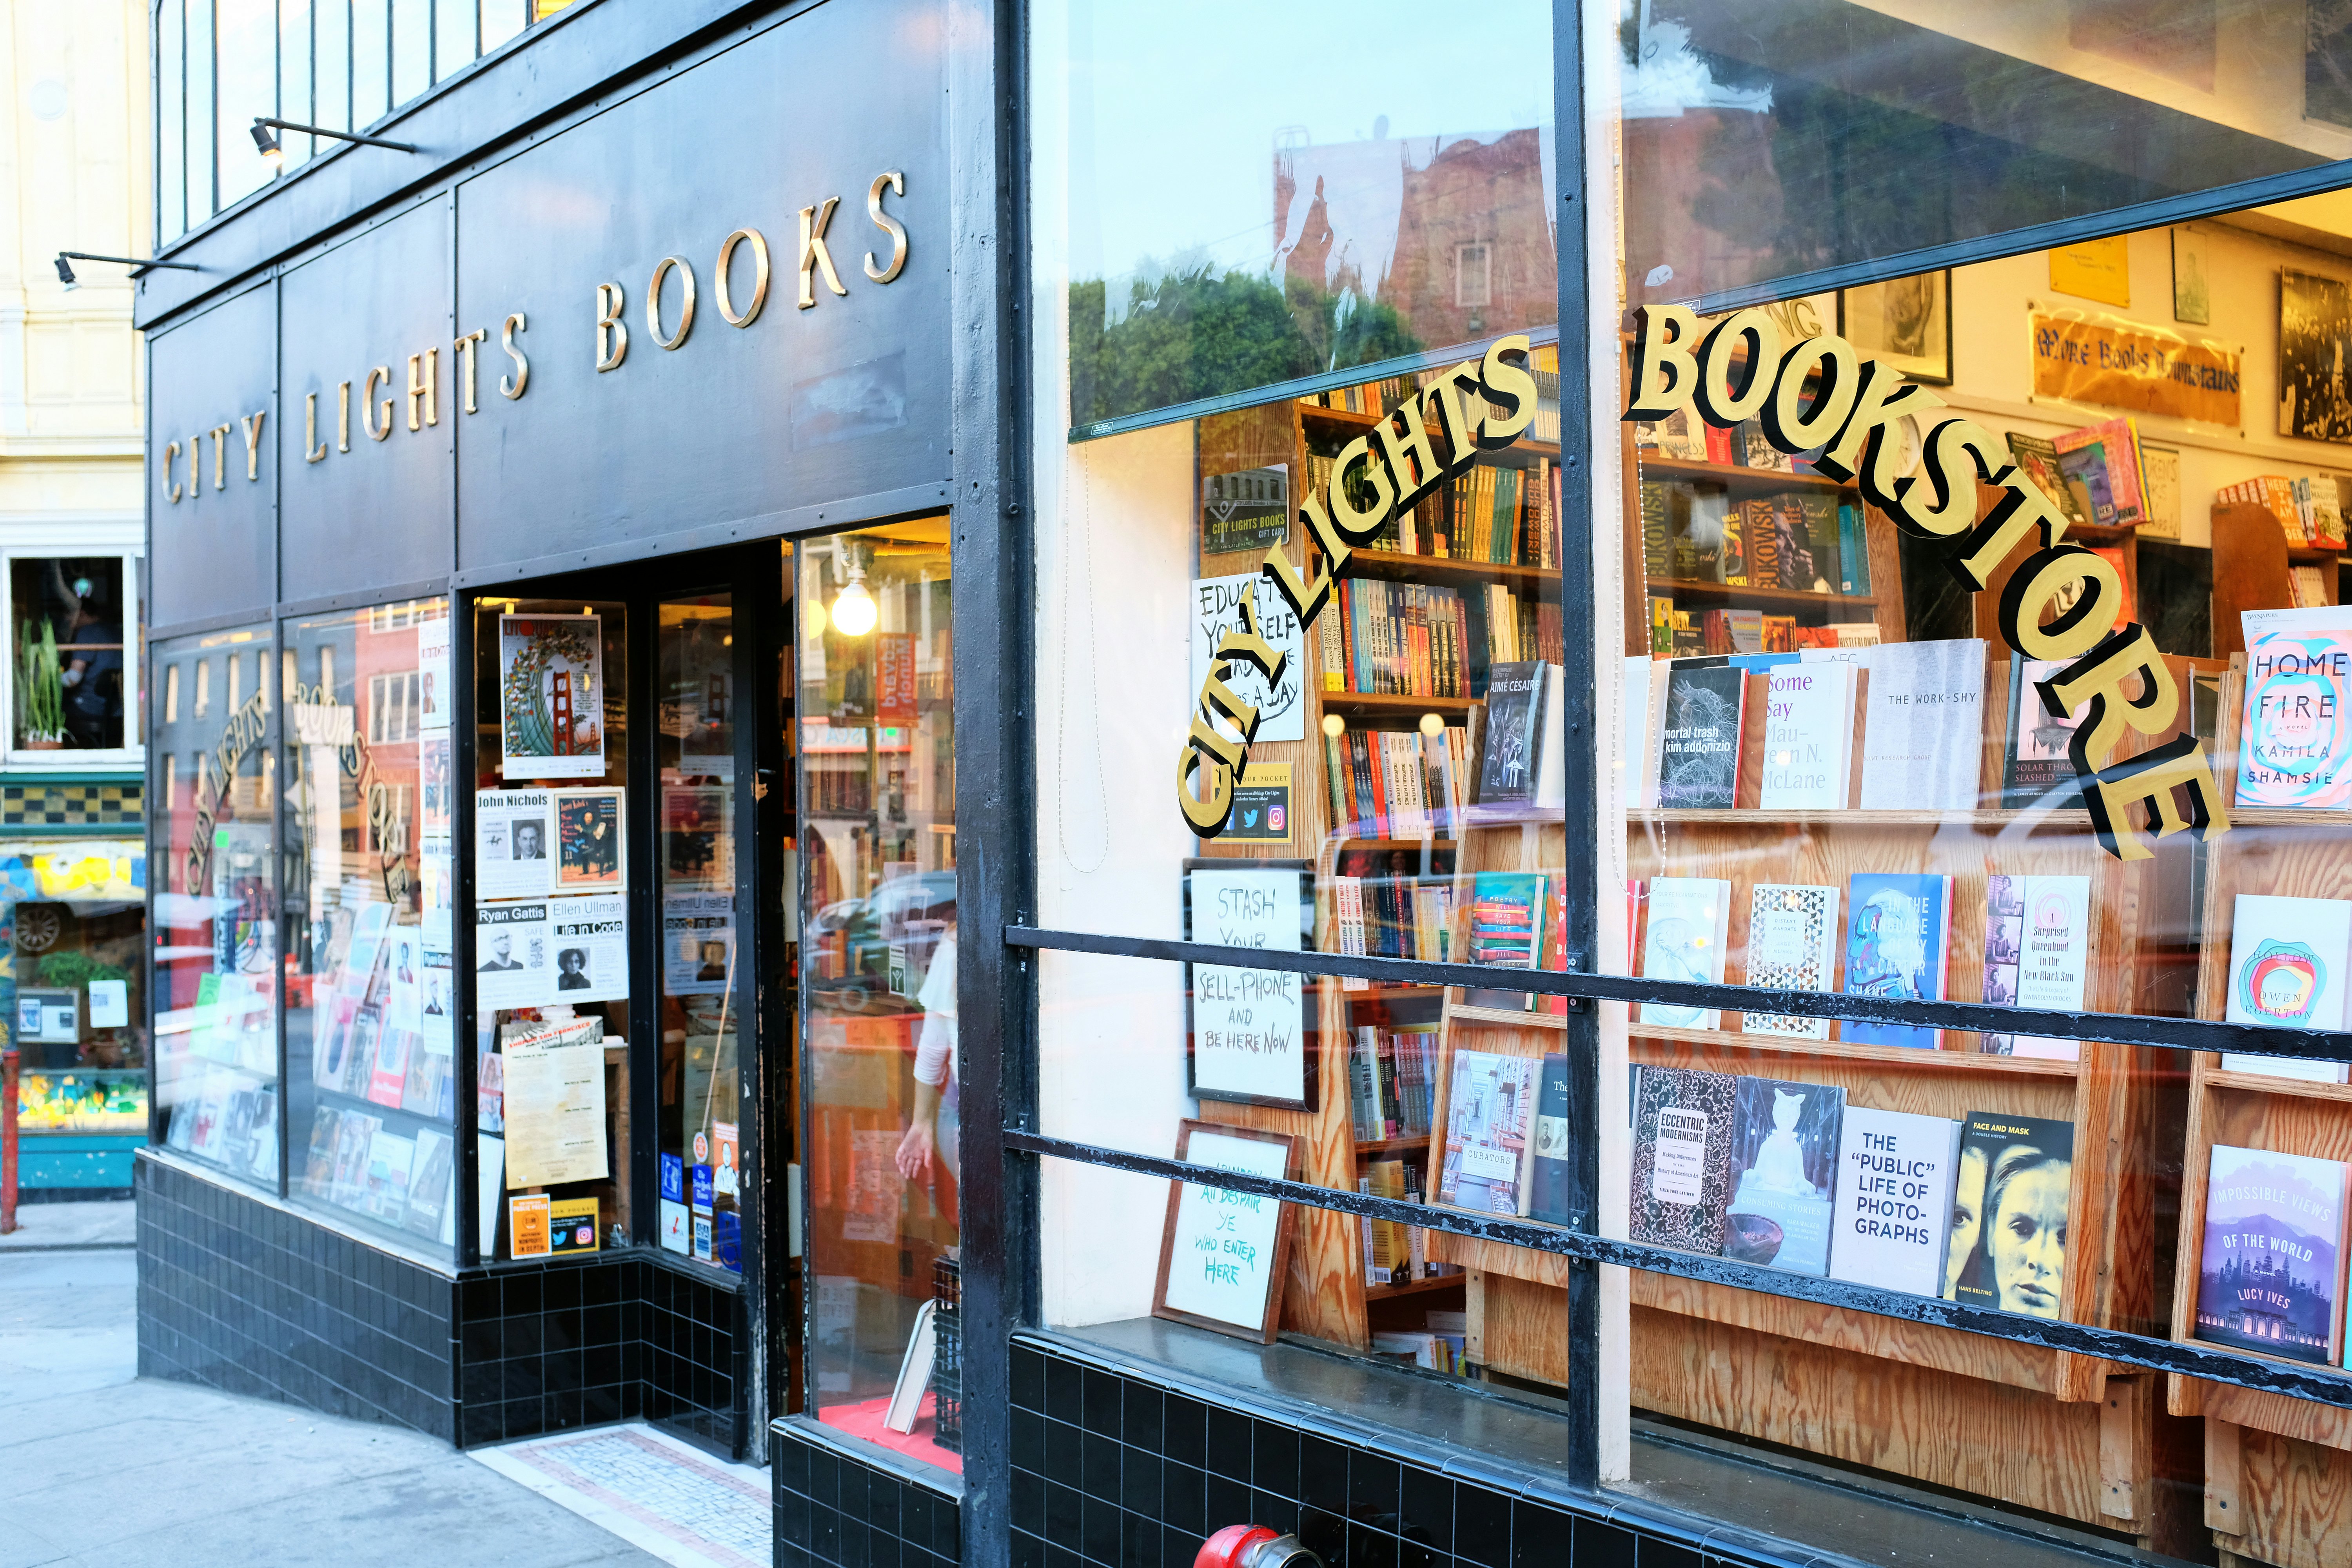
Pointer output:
x,y
1849,414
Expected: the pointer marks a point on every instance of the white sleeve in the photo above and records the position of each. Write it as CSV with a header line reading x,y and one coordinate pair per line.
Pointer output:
x,y
935,1050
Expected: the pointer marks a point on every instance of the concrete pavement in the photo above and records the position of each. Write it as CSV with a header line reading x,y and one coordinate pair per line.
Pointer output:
x,y
46,1227
100,1467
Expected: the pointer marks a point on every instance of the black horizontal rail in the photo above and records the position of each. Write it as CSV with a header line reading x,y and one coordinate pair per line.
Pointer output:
x,y
2123,1028
2315,1386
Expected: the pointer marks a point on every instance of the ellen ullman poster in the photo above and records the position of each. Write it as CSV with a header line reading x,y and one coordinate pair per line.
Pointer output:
x,y
550,697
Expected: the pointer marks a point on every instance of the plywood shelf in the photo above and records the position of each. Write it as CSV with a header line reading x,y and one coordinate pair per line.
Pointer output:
x,y
1412,1288
1668,816
1798,598
1383,705
1733,476
1412,1143
1903,1057
2264,1083
1394,993
1396,565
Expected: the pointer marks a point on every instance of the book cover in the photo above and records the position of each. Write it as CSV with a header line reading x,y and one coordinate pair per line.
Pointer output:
x,y
428,1182
1896,1177
2268,1278
2038,458
1922,735
390,1162
2007,1244
1689,925
1698,737
1505,930
1489,1108
1823,540
2105,456
1547,1195
2295,746
2036,771
1792,932
1784,1143
2286,965
1507,768
2037,953
1895,946
1808,737
1682,1124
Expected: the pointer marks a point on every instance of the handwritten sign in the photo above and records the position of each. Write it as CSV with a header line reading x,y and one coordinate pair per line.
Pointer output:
x,y
1223,1254
1216,610
1249,1039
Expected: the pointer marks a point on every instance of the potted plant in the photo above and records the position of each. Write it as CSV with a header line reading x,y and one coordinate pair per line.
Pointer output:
x,y
41,692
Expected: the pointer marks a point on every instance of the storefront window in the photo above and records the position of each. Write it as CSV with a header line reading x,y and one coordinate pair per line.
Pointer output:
x,y
551,979
877,864
371,999
77,916
74,624
216,977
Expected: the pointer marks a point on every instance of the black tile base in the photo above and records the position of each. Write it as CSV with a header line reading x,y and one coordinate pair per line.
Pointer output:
x,y
833,1510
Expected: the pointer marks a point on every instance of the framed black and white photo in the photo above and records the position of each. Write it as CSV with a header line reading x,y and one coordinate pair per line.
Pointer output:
x,y
2192,287
1903,322
1250,1035
2315,337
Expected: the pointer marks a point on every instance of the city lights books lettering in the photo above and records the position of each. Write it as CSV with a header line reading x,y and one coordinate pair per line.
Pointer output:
x,y
1792,937
2287,958
1689,925
2295,746
1897,939
2008,1242
2037,953
1921,734
1893,1203
2269,1278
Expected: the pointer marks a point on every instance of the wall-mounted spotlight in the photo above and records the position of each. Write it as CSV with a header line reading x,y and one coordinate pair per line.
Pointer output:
x,y
66,259
265,139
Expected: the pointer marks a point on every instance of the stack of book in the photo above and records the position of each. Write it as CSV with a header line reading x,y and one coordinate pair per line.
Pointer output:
x,y
1397,784
2310,510
1380,909
1391,1073
1407,640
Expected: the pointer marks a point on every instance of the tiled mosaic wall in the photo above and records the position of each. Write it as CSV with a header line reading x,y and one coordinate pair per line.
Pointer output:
x,y
249,1298
35,806
835,1512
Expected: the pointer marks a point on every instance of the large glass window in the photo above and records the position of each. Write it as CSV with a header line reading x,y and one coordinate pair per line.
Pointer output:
x,y
875,805
215,980
74,630
371,998
76,924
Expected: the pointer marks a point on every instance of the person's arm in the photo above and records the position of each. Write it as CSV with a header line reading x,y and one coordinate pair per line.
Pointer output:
x,y
920,1145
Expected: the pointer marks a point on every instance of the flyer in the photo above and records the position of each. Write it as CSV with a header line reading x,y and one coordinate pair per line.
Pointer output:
x,y
432,784
550,697
697,944
527,1219
698,843
436,875
512,830
590,937
439,1019
433,696
555,1106
406,1008
589,854
512,967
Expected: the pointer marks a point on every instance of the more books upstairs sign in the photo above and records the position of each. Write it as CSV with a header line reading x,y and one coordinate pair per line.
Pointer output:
x,y
1819,394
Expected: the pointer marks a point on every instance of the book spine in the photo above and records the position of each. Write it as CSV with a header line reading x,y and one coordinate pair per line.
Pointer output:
x,y
1335,654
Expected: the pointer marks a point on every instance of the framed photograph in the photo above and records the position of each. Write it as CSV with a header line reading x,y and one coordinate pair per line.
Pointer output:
x,y
2192,292
2314,340
589,856
1224,1255
1905,321
1250,1035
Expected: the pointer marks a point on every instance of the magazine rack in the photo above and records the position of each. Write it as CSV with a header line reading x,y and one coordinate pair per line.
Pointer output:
x,y
2074,1437
2278,1470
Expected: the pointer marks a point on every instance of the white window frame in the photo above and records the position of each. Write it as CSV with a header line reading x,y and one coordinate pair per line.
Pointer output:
x,y
1486,253
135,657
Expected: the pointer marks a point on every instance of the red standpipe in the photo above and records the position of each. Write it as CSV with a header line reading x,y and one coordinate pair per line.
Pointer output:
x,y
1254,1546
8,1059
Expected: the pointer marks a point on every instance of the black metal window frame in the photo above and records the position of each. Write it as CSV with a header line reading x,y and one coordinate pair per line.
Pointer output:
x,y
1008,1173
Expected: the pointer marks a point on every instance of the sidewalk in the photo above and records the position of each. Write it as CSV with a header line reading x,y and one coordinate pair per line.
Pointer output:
x,y
44,1227
102,1468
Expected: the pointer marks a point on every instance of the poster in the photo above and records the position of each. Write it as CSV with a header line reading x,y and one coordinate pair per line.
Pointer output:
x,y
555,1105
698,848
697,944
2095,270
875,1187
589,856
436,875
1261,806
550,697
432,784
527,1222
2315,335
433,694
1221,1256
407,1007
512,967
1244,512
1216,609
590,939
512,829
2192,286
1248,1025
894,677
2151,369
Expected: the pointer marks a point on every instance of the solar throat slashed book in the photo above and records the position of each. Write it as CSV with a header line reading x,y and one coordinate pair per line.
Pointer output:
x,y
2269,1276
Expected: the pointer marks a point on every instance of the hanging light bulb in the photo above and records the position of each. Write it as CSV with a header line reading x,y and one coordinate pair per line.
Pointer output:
x,y
853,607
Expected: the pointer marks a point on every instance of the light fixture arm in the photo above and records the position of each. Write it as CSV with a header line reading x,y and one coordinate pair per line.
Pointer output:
x,y
139,263
261,121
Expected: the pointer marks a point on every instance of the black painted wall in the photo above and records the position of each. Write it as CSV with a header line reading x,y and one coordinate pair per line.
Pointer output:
x,y
252,1298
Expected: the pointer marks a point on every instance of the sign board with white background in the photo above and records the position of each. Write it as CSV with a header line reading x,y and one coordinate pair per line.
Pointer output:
x,y
1252,1037
1223,1254
1216,610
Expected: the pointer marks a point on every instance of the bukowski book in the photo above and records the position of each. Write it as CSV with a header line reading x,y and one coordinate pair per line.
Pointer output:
x,y
2269,1278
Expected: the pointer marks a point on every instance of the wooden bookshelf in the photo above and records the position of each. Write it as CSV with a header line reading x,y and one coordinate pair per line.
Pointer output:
x,y
1737,479
1739,592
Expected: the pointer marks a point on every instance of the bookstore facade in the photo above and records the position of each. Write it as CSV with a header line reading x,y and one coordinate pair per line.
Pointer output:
x,y
1809,535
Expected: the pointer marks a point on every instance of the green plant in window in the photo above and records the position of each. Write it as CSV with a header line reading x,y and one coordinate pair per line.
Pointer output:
x,y
75,971
40,688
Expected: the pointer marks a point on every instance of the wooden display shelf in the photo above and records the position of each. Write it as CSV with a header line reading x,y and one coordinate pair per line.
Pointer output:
x,y
1412,1288
1947,1059
1315,414
1384,845
1795,598
1398,565
1732,476
1668,816
1384,705
1414,1143
1392,994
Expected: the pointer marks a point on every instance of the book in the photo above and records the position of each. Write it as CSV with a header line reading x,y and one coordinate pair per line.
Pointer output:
x,y
1853,550
1548,1191
2008,1242
2269,1276
2294,749
2038,459
1489,1108
2037,772
1896,944
1783,1161
2287,958
1681,1183
2037,953
1897,1175
1689,927
1505,930
2100,463
913,1370
1698,736
1824,540
1516,716
429,1182
1808,737
1792,936
1922,735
